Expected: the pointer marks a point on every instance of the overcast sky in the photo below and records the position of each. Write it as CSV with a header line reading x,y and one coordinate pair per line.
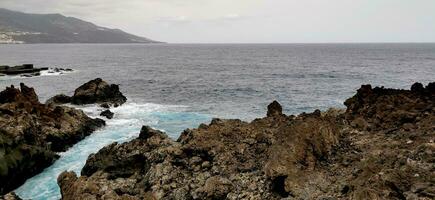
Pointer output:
x,y
251,21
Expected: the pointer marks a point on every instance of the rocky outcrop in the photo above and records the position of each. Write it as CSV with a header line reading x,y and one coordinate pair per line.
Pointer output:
x,y
21,69
107,113
94,91
59,99
98,91
370,151
393,143
31,133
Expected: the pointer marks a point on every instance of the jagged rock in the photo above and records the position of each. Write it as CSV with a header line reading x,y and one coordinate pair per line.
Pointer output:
x,y
59,99
10,196
29,93
380,148
147,132
31,133
105,105
274,109
390,108
417,87
219,160
107,113
98,91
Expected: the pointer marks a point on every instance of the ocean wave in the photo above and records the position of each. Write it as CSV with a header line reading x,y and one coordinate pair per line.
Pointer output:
x,y
42,74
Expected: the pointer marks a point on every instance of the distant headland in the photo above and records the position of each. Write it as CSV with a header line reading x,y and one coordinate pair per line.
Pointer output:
x,y
20,28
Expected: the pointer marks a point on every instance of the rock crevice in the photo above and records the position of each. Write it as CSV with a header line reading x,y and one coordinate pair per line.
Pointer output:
x,y
31,133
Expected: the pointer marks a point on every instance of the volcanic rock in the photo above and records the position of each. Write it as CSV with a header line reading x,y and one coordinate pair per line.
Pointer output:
x,y
31,133
107,113
25,69
381,147
274,109
98,91
59,99
105,105
10,196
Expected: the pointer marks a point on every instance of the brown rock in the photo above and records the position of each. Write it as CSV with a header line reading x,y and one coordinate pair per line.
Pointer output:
x,y
98,91
311,156
31,133
274,109
59,99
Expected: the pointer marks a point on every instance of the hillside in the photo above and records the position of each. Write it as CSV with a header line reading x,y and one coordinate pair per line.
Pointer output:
x,y
18,27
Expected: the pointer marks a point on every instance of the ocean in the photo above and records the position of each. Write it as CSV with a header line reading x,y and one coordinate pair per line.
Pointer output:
x,y
172,87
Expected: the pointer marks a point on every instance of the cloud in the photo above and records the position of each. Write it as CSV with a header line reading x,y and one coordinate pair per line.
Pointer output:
x,y
252,20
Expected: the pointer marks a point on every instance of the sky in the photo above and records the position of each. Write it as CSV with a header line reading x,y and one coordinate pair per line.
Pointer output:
x,y
252,21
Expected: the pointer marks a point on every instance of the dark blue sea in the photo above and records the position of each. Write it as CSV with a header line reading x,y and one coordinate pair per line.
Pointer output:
x,y
172,87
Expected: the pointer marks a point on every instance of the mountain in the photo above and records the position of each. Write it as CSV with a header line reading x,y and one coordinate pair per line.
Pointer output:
x,y
18,27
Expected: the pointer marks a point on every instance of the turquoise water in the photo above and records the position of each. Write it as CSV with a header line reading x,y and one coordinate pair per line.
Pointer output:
x,y
125,126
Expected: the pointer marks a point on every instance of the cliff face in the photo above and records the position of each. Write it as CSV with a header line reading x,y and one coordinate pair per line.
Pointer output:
x,y
381,147
31,133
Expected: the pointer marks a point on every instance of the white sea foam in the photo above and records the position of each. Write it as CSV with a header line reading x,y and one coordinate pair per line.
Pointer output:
x,y
125,125
54,73
42,74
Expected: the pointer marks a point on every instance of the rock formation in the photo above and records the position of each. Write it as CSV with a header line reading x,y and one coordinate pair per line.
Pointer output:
x,y
381,147
94,91
59,99
21,69
107,113
31,133
98,91
10,196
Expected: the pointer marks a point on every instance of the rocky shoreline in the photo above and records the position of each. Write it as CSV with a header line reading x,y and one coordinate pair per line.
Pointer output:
x,y
380,147
32,133
28,70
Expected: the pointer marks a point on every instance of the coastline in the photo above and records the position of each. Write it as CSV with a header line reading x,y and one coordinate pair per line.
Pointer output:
x,y
379,148
32,133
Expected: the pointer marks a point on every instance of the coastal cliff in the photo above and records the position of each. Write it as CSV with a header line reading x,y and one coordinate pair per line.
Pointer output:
x,y
31,133
380,147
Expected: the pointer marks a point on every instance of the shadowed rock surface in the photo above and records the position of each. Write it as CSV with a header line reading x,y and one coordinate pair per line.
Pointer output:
x,y
31,133
107,113
20,69
59,99
381,147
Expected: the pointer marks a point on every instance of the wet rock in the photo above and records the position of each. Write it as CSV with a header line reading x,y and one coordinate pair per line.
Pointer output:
x,y
25,69
31,133
107,113
10,196
98,91
105,105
